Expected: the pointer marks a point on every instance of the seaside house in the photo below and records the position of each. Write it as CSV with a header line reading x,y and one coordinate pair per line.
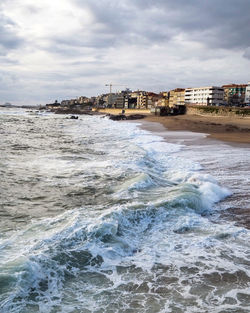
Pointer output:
x,y
142,99
65,103
234,95
163,100
152,99
54,105
134,95
176,97
211,95
247,95
82,100
130,101
73,102
122,99
110,100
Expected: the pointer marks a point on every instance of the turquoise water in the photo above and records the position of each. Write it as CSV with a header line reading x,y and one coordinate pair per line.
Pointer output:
x,y
101,216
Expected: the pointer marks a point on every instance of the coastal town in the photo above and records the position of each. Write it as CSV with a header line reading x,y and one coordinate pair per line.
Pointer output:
x,y
166,102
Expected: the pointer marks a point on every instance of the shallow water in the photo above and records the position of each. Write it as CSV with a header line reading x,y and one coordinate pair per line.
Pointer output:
x,y
100,216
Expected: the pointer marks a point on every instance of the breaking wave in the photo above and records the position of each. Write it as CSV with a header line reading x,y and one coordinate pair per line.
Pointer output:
x,y
126,229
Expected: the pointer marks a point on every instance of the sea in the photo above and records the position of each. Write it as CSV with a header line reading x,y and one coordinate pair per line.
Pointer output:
x,y
101,216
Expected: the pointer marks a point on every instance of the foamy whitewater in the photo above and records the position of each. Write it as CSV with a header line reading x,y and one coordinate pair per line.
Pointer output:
x,y
101,216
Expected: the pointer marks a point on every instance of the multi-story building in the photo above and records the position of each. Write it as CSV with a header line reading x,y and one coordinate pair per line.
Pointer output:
x,y
142,99
247,95
204,95
162,102
130,102
109,99
176,97
152,99
82,100
234,94
70,102
120,100
99,101
65,103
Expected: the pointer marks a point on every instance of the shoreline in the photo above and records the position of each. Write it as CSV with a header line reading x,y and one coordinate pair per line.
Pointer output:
x,y
230,129
174,131
224,128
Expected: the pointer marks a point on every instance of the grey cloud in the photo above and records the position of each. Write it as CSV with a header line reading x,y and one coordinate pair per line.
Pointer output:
x,y
116,23
217,24
5,60
8,81
223,23
89,57
8,38
247,53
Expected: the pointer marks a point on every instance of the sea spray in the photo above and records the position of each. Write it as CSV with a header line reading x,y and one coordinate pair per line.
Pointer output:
x,y
114,219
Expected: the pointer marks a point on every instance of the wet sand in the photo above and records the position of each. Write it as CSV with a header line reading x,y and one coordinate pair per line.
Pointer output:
x,y
229,129
199,130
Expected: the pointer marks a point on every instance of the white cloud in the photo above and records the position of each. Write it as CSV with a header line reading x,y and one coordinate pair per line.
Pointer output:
x,y
66,48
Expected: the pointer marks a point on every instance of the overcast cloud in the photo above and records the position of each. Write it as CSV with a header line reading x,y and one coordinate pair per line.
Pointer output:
x,y
66,48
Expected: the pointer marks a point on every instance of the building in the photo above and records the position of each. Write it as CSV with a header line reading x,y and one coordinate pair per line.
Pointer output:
x,y
120,101
56,104
152,99
133,99
68,103
106,100
122,97
176,97
142,100
162,102
204,95
82,100
234,94
130,102
163,99
247,94
65,103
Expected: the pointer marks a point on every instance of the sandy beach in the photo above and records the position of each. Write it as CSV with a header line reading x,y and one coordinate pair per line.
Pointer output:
x,y
229,129
203,130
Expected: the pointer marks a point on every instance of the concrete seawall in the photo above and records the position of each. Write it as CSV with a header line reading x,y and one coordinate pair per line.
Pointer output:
x,y
120,111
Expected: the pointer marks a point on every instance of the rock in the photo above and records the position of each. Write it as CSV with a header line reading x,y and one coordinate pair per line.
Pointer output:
x,y
119,117
135,116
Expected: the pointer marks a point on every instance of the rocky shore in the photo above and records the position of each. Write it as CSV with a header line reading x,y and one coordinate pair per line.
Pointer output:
x,y
114,117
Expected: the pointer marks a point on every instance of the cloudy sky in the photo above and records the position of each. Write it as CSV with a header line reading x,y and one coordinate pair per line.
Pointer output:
x,y
59,49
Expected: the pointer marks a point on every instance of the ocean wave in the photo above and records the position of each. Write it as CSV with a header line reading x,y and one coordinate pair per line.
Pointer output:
x,y
138,238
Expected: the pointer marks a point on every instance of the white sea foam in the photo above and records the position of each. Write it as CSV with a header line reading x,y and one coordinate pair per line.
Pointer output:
x,y
138,241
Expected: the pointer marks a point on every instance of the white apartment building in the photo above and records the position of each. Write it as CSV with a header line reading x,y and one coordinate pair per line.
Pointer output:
x,y
204,95
247,94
